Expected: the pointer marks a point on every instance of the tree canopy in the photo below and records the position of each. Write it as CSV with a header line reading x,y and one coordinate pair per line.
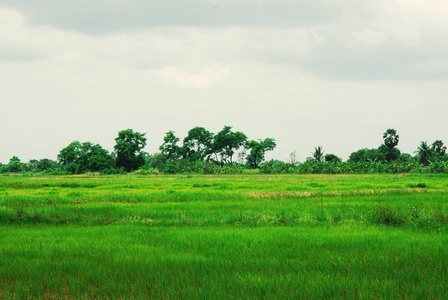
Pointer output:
x,y
258,150
170,148
225,143
128,150
197,144
80,157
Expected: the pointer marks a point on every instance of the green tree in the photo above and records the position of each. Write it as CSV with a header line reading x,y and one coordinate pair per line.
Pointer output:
x,y
170,147
387,154
157,160
96,157
332,158
391,139
14,165
225,143
128,150
318,154
197,144
31,166
258,150
438,148
80,157
45,165
406,158
367,155
70,155
424,153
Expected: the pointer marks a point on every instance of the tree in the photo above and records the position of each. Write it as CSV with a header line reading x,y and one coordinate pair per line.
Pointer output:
x,y
424,153
258,150
80,157
197,144
367,155
318,154
391,138
332,158
387,154
14,165
170,147
46,164
128,150
438,148
157,160
225,143
31,166
406,158
70,154
96,158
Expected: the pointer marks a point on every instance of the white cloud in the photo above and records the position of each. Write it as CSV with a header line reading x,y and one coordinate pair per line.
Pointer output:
x,y
206,77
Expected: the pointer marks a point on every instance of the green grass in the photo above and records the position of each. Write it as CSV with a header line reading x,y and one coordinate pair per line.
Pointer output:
x,y
224,236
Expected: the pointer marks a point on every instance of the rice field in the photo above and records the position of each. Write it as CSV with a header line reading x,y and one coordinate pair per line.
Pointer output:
x,y
224,236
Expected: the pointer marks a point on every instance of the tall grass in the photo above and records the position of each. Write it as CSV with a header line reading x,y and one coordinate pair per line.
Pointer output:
x,y
226,236
219,262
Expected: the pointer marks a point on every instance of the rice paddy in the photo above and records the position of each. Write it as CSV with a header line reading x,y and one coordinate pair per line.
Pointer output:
x,y
224,236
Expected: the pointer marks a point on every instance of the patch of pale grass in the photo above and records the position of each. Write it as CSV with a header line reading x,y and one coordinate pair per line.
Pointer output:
x,y
292,194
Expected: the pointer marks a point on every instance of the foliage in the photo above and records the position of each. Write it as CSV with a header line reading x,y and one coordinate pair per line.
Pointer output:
x,y
128,149
318,154
14,165
391,138
332,158
385,153
197,145
388,149
424,154
169,148
83,157
203,152
225,143
46,165
439,148
366,155
258,150
406,158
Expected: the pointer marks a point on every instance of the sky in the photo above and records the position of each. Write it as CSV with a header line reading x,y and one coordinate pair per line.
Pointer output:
x,y
326,73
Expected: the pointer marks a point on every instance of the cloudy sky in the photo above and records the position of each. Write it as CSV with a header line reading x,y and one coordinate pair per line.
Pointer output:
x,y
307,73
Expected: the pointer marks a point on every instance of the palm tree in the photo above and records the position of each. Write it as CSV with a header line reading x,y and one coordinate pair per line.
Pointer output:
x,y
438,148
424,153
391,138
318,154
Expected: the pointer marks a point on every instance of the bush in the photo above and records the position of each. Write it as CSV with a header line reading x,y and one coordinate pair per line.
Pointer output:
x,y
387,216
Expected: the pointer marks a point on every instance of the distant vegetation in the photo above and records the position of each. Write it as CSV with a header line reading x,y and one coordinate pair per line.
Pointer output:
x,y
227,151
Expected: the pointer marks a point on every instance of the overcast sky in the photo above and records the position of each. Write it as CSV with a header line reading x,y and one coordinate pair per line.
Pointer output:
x,y
307,73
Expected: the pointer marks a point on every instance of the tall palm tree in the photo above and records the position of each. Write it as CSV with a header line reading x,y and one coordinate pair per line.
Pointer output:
x,y
318,153
424,153
391,138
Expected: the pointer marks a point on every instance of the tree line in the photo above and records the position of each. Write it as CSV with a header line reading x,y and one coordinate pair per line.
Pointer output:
x,y
228,151
199,147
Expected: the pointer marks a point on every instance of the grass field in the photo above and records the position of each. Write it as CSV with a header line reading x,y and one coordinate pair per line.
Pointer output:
x,y
224,236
